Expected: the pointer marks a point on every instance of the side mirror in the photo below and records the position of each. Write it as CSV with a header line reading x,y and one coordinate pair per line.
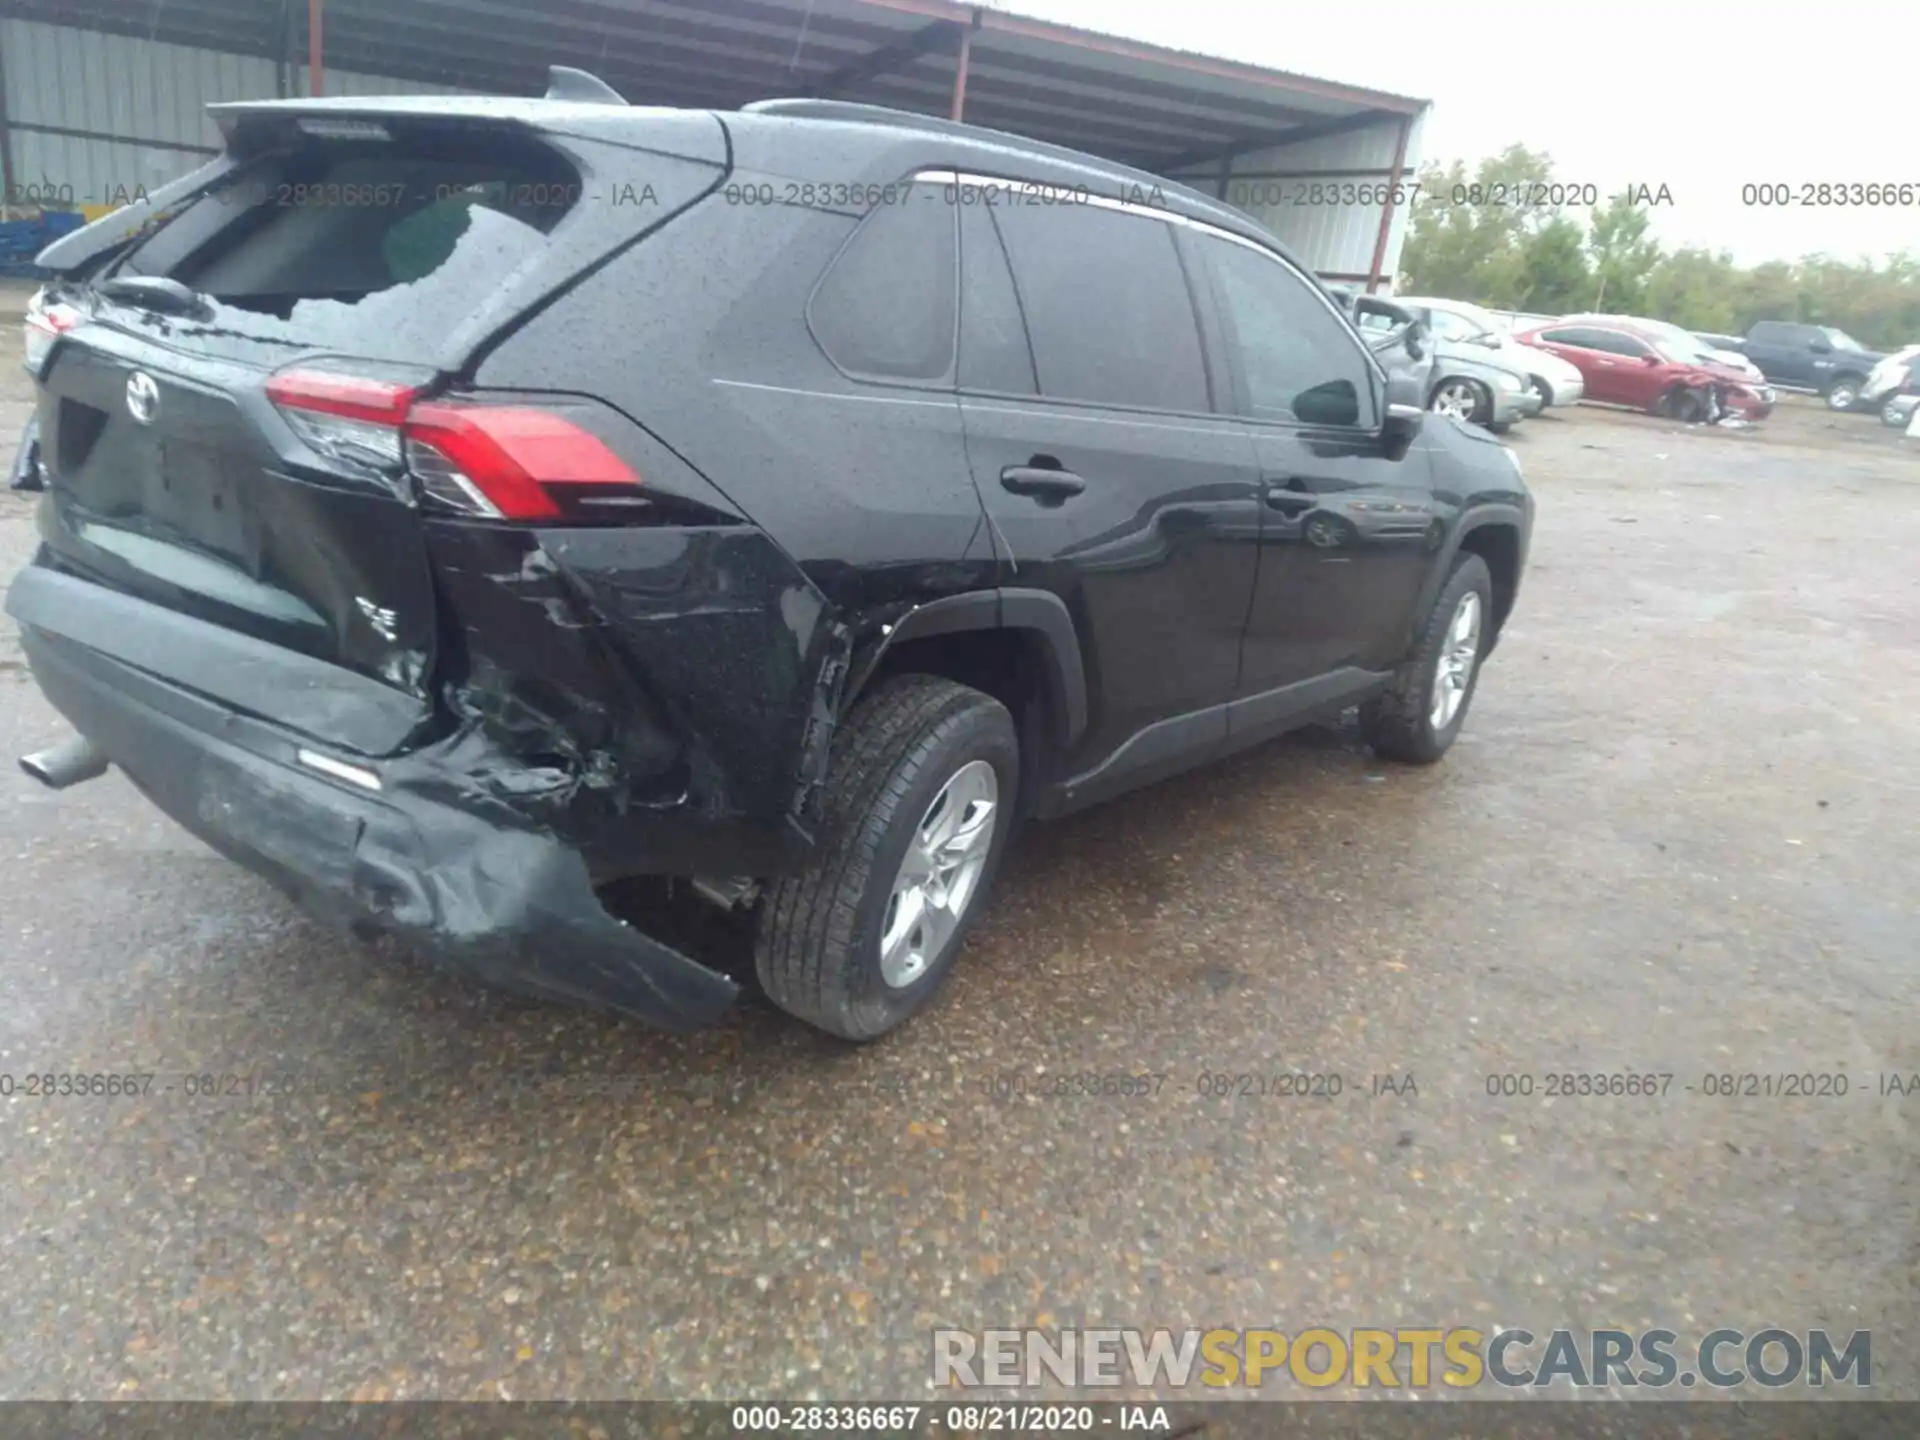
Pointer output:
x,y
1406,411
1649,359
1334,402
1819,347
1415,341
1488,339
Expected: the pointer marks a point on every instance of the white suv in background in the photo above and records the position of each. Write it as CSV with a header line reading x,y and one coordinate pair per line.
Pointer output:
x,y
1885,381
1552,379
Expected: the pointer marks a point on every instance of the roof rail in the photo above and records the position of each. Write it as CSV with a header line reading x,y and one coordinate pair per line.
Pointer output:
x,y
566,83
810,108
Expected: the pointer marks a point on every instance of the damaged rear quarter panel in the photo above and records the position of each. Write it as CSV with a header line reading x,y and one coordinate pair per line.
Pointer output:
x,y
668,690
742,651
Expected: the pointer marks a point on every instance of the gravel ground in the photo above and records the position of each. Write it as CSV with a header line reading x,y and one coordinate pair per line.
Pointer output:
x,y
1678,836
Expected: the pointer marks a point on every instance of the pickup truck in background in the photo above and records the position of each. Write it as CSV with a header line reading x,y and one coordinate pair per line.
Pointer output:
x,y
1810,357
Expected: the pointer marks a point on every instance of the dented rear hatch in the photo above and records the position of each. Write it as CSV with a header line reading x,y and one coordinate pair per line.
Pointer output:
x,y
220,412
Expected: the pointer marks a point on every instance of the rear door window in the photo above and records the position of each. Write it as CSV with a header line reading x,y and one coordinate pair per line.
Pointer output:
x,y
1107,305
884,309
1615,342
376,247
1579,337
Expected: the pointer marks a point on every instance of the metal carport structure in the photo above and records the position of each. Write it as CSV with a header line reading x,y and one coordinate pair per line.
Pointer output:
x,y
1247,133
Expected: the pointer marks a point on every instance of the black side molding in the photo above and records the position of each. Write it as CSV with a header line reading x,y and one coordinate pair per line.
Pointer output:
x,y
1181,742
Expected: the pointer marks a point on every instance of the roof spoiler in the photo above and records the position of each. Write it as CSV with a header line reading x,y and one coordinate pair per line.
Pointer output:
x,y
566,83
78,248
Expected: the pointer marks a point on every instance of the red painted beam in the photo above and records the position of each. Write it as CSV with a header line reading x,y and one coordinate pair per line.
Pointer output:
x,y
1387,205
316,58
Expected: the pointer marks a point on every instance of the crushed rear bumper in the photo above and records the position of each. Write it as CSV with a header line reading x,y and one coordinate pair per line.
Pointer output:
x,y
408,846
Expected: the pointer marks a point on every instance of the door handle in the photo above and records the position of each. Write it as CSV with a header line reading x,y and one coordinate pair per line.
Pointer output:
x,y
1291,502
1048,484
1290,495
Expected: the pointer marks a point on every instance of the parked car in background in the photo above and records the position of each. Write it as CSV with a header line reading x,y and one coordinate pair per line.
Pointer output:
x,y
1819,358
1548,376
1398,339
1679,337
1887,379
1473,383
1628,365
1683,339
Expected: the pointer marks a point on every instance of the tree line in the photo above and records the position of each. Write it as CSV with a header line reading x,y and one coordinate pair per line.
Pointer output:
x,y
1554,260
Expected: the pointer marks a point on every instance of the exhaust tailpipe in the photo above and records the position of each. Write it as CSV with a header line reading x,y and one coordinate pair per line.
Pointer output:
x,y
65,765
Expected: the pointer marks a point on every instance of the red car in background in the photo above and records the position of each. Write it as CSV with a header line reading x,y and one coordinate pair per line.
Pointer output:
x,y
1626,364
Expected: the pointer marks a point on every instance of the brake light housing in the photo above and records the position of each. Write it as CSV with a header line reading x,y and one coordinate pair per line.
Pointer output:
x,y
46,321
491,462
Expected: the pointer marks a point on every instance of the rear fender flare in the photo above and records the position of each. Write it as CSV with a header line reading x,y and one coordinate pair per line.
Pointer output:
x,y
1039,612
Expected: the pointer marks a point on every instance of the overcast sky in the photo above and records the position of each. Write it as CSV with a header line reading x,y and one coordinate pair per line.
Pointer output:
x,y
1702,97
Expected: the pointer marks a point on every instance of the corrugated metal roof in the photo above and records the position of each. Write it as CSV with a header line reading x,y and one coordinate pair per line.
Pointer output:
x,y
95,118
1147,105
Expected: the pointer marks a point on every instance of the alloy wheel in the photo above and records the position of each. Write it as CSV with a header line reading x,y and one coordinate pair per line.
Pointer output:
x,y
1456,398
940,873
1453,671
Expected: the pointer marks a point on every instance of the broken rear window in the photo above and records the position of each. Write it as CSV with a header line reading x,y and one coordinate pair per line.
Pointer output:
x,y
377,246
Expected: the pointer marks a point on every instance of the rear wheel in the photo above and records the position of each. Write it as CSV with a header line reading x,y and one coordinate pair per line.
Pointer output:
x,y
919,803
1542,389
1419,716
1843,392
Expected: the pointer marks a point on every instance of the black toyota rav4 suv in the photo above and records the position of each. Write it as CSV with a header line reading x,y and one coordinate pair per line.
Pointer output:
x,y
452,506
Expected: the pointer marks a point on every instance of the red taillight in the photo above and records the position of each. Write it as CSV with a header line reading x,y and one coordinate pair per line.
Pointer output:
x,y
45,323
495,461
511,454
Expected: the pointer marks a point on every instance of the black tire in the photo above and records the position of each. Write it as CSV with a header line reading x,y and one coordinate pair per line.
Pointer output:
x,y
1542,389
817,951
1398,722
1842,392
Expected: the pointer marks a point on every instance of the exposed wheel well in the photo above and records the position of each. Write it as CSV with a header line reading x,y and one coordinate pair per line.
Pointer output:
x,y
1009,664
1669,400
1539,382
1499,546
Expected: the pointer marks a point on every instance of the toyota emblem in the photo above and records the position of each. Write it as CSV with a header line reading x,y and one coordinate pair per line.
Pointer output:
x,y
143,397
